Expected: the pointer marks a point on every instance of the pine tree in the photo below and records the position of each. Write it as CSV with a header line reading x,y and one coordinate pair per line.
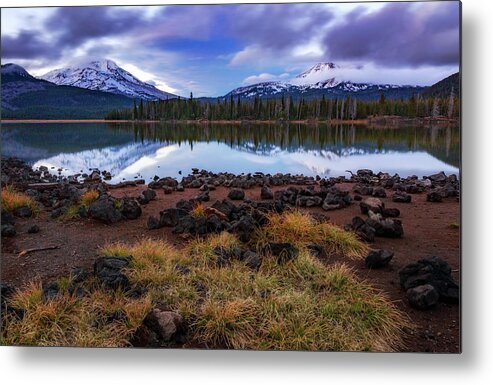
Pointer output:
x,y
451,101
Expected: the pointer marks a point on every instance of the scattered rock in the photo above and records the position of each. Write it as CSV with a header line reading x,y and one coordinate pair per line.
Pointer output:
x,y
131,208
433,271
371,204
8,230
266,193
33,229
108,270
378,258
391,213
236,194
146,196
401,197
284,252
104,210
252,259
158,328
51,291
23,212
434,196
423,297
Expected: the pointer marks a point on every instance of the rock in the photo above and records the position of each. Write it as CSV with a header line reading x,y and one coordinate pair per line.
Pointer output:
x,y
167,190
33,229
108,270
379,192
180,188
146,196
8,230
82,212
225,206
364,231
401,197
266,193
309,201
244,227
433,271
378,258
371,204
391,213
388,228
358,198
434,196
131,208
226,254
284,252
423,297
203,197
153,223
23,212
7,218
252,259
158,328
438,178
186,205
316,250
51,291
104,210
236,194
171,217
335,199
6,293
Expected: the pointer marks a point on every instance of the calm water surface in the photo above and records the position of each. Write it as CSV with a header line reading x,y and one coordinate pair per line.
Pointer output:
x,y
130,150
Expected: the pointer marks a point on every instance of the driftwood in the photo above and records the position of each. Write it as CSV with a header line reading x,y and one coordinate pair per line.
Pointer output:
x,y
125,184
43,186
27,251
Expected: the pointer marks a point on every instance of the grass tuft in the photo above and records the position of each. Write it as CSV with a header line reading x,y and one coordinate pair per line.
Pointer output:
x,y
89,197
301,229
199,211
13,199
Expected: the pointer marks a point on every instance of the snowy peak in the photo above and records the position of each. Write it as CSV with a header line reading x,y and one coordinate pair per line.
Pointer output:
x,y
319,73
105,75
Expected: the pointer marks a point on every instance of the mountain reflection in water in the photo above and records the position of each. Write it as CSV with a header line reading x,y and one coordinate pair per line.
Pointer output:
x,y
128,150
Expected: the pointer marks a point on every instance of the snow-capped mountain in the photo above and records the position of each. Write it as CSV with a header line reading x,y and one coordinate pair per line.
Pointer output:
x,y
319,73
321,80
106,76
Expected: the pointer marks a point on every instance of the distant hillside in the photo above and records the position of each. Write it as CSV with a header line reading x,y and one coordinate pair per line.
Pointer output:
x,y
25,97
443,87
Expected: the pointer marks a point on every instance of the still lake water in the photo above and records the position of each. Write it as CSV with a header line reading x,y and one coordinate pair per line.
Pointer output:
x,y
130,150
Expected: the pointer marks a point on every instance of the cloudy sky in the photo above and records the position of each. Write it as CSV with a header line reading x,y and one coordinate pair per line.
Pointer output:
x,y
210,49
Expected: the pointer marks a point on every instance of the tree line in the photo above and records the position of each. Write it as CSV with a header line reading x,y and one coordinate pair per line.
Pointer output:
x,y
288,108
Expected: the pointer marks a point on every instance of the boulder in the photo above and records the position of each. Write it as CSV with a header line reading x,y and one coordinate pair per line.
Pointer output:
x,y
266,193
236,194
171,217
159,328
23,212
225,206
391,212
7,218
371,204
104,210
51,291
131,208
108,271
433,271
434,196
378,258
387,228
244,227
423,297
153,223
438,178
146,196
379,192
401,197
309,201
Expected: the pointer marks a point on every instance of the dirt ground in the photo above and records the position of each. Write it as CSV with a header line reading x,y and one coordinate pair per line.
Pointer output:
x,y
428,230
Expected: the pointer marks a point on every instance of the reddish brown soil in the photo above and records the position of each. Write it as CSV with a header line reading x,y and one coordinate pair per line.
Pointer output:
x,y
427,232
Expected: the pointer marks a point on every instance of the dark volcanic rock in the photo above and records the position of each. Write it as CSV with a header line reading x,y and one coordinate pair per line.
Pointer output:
x,y
371,204
33,229
8,230
104,210
171,217
236,194
284,252
379,192
252,259
108,270
159,328
266,193
146,196
401,197
153,223
7,218
23,212
244,228
309,201
225,206
51,291
434,196
433,271
378,258
391,212
423,297
131,208
387,228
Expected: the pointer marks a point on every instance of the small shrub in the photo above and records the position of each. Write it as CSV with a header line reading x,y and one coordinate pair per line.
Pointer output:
x,y
198,211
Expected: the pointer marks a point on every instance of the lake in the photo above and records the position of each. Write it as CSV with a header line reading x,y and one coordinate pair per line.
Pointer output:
x,y
142,150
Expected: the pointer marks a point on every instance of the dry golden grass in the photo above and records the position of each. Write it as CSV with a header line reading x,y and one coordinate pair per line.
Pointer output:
x,y
89,197
198,211
72,321
13,199
301,305
300,229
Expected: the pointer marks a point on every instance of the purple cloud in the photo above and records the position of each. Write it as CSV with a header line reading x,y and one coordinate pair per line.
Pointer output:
x,y
399,34
27,45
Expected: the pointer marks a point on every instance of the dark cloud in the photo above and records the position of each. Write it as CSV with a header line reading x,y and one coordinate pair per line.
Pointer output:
x,y
278,26
76,25
27,45
399,34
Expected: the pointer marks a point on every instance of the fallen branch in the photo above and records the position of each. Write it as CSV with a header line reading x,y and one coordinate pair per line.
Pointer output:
x,y
27,251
